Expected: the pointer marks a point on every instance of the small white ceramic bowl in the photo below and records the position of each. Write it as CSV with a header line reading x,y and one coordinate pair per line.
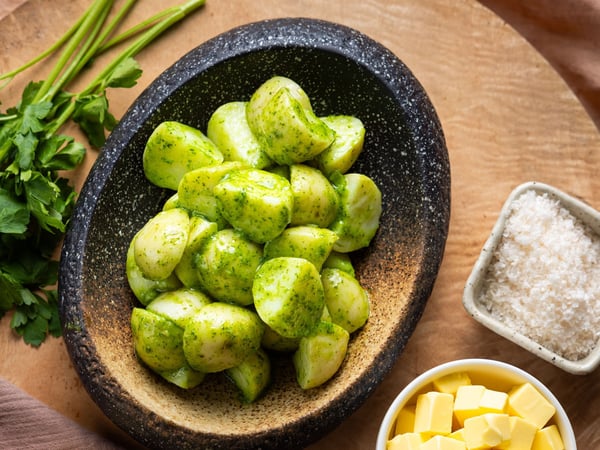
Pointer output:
x,y
490,373
577,208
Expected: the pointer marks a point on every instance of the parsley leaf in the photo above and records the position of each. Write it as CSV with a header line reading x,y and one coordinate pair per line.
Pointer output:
x,y
91,113
125,74
35,201
14,216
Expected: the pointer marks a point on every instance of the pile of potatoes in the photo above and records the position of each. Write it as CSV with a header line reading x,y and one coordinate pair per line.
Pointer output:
x,y
250,255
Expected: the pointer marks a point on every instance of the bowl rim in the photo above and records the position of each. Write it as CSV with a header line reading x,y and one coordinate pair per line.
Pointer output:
x,y
579,209
225,48
562,419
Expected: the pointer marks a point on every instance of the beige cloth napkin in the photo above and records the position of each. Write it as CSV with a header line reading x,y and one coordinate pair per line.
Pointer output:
x,y
26,423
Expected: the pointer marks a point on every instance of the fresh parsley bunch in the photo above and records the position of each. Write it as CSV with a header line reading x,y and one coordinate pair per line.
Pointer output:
x,y
36,202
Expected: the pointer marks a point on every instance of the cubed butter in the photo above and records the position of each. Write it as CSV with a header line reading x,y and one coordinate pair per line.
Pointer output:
x,y
405,441
493,401
466,403
521,435
405,422
486,431
442,443
450,383
433,413
548,438
527,402
458,434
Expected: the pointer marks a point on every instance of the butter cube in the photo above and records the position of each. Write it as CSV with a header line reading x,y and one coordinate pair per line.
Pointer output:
x,y
405,422
433,413
486,431
442,443
405,441
527,402
548,438
522,434
458,434
493,401
450,383
466,403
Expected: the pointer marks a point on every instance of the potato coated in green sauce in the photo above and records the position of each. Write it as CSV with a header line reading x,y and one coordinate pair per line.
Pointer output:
x,y
256,202
221,336
288,295
226,266
250,254
174,149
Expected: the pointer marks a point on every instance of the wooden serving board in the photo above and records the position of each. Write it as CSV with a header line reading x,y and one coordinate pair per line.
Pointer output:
x,y
508,118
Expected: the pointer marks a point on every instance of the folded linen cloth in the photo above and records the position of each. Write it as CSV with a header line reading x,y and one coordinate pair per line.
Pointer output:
x,y
26,423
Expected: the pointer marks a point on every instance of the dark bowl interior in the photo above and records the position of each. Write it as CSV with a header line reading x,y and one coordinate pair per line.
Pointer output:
x,y
343,71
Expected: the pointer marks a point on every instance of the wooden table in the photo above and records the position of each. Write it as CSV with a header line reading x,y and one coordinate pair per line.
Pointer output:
x,y
508,118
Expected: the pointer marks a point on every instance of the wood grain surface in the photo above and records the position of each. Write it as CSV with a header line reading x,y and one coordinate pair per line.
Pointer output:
x,y
508,117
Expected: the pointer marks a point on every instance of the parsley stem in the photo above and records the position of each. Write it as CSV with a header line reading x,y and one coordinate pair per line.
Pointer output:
x,y
85,52
90,17
98,84
98,39
177,13
114,24
138,28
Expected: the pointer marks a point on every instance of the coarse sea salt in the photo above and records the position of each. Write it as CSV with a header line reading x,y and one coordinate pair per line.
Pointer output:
x,y
544,277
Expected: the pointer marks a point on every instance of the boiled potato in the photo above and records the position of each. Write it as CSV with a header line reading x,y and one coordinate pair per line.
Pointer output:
x,y
360,209
179,305
256,202
195,190
201,182
174,149
199,232
272,340
229,130
220,336
265,92
341,261
144,289
315,199
281,117
341,155
226,266
320,354
290,133
288,295
308,242
159,245
346,300
185,377
171,202
157,340
251,376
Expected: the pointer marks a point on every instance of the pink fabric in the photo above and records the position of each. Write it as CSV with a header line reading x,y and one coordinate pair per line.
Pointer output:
x,y
567,34
26,423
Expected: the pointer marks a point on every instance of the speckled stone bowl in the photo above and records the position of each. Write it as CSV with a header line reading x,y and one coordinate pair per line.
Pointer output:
x,y
343,71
